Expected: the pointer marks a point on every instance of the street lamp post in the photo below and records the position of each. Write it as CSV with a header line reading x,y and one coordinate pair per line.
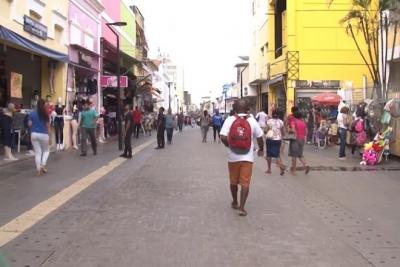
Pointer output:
x,y
169,95
119,117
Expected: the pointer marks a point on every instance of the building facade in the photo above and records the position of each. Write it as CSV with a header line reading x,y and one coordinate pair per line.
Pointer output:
x,y
258,52
309,52
84,52
33,50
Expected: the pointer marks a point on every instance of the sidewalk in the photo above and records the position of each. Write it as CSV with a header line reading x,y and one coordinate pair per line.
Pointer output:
x,y
22,155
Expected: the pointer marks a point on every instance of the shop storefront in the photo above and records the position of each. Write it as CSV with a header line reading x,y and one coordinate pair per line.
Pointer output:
x,y
83,76
22,63
109,67
304,90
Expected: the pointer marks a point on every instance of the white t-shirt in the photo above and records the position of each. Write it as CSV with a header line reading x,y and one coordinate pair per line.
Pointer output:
x,y
256,131
262,118
276,126
340,119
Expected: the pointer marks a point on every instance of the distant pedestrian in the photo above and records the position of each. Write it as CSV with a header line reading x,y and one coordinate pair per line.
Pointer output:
x,y
181,119
161,129
128,131
217,121
238,133
170,125
262,118
205,122
88,128
137,120
39,123
296,146
6,122
275,130
343,121
310,126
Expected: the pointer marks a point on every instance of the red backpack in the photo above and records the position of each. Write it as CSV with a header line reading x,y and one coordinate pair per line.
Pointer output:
x,y
240,136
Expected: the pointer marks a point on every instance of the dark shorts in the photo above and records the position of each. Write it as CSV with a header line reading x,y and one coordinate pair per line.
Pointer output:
x,y
296,148
273,148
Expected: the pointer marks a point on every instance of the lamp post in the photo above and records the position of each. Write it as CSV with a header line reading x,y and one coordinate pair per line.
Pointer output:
x,y
119,118
169,95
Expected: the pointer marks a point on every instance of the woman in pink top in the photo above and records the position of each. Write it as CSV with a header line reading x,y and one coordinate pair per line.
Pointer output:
x,y
296,146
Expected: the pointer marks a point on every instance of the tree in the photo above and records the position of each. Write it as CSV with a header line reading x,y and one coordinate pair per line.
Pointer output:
x,y
368,24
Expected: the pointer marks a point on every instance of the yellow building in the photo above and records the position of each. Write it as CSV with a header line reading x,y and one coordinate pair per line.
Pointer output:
x,y
309,52
33,47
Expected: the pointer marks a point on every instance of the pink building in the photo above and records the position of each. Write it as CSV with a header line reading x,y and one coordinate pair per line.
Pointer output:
x,y
84,51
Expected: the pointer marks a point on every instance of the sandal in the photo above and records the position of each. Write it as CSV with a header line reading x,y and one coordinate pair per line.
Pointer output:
x,y
282,170
234,206
307,169
242,213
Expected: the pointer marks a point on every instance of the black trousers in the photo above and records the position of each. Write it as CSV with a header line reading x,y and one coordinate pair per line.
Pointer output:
x,y
137,129
161,137
216,129
128,142
59,129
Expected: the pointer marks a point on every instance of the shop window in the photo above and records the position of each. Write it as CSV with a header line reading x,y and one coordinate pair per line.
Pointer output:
x,y
58,34
280,8
88,42
75,35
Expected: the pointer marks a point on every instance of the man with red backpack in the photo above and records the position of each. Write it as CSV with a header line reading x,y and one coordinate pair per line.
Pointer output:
x,y
238,133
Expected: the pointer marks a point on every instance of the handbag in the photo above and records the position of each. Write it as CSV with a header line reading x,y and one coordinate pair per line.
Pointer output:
x,y
269,134
290,136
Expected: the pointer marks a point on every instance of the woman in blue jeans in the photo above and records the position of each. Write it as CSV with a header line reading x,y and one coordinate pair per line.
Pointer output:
x,y
343,124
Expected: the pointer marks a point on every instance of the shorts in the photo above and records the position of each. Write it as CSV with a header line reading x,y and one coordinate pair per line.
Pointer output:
x,y
273,148
296,148
240,173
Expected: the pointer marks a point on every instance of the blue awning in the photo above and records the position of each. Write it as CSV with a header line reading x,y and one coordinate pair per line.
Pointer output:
x,y
15,38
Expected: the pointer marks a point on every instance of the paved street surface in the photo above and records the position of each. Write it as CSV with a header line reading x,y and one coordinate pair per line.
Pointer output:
x,y
172,208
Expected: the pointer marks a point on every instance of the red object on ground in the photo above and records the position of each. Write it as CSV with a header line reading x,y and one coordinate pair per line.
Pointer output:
x,y
330,99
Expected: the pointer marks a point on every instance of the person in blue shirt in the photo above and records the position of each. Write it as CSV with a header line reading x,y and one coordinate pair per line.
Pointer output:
x,y
217,121
39,123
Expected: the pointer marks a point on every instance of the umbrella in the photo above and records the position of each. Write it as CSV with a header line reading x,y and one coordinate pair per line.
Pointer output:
x,y
329,99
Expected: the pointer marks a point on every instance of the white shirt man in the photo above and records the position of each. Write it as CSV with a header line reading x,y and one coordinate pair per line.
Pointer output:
x,y
241,165
262,118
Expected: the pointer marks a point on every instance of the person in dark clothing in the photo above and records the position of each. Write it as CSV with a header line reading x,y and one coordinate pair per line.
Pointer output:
x,y
137,120
161,124
310,126
180,121
128,133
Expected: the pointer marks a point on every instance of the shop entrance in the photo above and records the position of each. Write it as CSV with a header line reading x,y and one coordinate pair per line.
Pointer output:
x,y
20,77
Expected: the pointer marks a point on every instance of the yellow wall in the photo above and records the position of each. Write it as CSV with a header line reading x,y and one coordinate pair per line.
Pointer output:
x,y
326,52
11,17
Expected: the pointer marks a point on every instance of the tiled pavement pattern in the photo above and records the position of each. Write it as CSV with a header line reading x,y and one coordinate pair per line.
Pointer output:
x,y
172,208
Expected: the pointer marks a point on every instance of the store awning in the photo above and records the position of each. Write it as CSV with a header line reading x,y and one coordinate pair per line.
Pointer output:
x,y
15,38
258,81
276,79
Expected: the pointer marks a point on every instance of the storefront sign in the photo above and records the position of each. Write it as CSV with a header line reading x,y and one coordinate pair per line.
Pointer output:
x,y
111,81
34,27
85,60
16,85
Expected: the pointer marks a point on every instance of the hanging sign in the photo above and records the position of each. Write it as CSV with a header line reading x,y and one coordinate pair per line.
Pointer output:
x,y
16,85
34,27
111,81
